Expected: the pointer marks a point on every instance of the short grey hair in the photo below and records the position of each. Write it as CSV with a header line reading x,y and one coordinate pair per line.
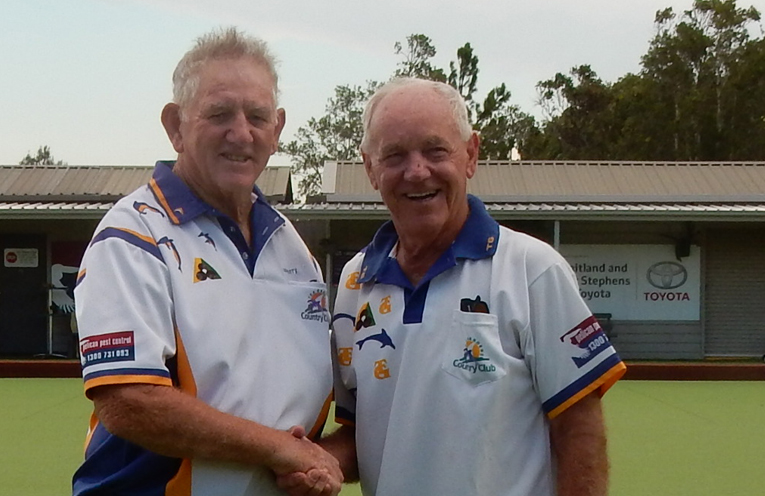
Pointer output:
x,y
450,94
220,44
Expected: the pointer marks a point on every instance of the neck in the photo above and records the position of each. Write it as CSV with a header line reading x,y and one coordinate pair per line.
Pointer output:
x,y
234,204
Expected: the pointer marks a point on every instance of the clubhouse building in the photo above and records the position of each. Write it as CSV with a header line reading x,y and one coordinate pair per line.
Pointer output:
x,y
668,255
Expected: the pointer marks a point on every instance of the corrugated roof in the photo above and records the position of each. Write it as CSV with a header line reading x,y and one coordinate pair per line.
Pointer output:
x,y
105,183
570,211
585,181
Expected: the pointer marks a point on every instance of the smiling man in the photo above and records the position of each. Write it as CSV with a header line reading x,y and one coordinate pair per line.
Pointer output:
x,y
188,286
490,373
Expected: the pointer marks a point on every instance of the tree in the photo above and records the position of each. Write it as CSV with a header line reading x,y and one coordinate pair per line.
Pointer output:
x,y
43,157
417,59
700,95
335,136
703,66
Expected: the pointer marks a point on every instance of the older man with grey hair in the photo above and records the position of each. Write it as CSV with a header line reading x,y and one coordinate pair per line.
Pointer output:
x,y
486,368
203,317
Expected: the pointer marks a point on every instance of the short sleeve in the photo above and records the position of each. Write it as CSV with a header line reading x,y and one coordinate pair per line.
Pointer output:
x,y
569,354
124,309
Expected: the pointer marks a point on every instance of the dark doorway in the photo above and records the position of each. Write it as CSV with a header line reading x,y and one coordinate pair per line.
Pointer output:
x,y
23,295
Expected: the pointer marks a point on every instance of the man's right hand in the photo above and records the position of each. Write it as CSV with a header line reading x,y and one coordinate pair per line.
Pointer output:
x,y
306,469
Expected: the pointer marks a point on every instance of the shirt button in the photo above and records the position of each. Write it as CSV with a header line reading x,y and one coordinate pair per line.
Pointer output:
x,y
231,229
245,256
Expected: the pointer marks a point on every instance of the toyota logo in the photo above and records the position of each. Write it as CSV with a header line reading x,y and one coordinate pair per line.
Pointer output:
x,y
667,275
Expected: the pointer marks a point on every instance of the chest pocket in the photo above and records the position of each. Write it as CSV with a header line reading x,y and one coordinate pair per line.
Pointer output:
x,y
473,351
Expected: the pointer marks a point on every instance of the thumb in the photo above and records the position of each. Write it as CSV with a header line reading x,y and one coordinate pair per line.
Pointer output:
x,y
297,431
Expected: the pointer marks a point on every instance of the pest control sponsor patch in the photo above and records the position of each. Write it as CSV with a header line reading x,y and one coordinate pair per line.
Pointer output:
x,y
105,348
588,339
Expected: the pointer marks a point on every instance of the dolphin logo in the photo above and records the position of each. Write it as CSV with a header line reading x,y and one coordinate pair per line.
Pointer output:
x,y
142,208
381,338
208,239
164,240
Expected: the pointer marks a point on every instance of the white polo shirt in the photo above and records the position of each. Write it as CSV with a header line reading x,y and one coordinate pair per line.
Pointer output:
x,y
169,293
450,384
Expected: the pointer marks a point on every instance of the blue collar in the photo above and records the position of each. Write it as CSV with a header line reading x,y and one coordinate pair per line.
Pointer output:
x,y
477,239
178,201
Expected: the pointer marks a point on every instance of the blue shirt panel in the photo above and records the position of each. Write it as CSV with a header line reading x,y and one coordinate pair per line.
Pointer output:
x,y
477,239
264,219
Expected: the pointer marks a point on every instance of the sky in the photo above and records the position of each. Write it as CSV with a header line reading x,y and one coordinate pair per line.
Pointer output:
x,y
88,78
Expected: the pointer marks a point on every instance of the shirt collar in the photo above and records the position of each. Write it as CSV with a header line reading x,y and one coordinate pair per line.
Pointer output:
x,y
476,240
177,200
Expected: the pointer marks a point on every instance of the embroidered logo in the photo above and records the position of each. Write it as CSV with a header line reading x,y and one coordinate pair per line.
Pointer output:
x,y
589,339
204,271
490,243
383,338
381,369
105,348
473,358
365,317
165,241
385,306
352,282
473,306
317,307
344,356
208,239
143,208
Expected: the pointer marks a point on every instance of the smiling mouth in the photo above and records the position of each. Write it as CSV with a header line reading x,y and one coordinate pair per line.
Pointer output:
x,y
422,196
235,158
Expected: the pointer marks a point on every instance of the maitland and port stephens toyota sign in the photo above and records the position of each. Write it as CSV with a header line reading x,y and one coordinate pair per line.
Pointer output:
x,y
637,282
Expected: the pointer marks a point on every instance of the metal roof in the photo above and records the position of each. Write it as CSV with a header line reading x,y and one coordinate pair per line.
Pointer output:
x,y
78,184
552,211
582,182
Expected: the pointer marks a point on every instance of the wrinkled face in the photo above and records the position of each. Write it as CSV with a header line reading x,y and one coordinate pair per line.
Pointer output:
x,y
419,162
230,128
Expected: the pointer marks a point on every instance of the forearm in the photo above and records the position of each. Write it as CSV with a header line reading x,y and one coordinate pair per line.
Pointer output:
x,y
342,445
172,423
578,441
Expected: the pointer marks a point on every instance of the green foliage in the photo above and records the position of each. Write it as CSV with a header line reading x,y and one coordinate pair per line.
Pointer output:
x,y
335,136
700,95
43,157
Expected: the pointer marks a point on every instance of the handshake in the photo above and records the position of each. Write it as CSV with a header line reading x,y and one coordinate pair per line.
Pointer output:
x,y
306,468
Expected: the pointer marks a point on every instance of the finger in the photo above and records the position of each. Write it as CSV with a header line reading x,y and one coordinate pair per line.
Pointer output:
x,y
298,431
293,480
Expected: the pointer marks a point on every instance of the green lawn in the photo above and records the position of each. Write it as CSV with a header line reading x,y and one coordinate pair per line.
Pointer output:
x,y
665,438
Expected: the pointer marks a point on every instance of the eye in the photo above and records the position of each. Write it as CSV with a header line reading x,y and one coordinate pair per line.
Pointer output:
x,y
437,153
393,158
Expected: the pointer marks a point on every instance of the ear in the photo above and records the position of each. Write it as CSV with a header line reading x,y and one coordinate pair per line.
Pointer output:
x,y
368,167
171,121
281,119
473,145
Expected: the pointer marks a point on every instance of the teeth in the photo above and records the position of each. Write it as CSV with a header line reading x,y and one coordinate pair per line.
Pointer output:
x,y
236,158
418,196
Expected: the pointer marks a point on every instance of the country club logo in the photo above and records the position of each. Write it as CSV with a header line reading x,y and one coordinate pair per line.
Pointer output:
x,y
473,358
317,307
588,338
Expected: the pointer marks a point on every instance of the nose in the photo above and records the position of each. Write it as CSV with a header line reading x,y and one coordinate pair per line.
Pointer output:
x,y
240,129
417,168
